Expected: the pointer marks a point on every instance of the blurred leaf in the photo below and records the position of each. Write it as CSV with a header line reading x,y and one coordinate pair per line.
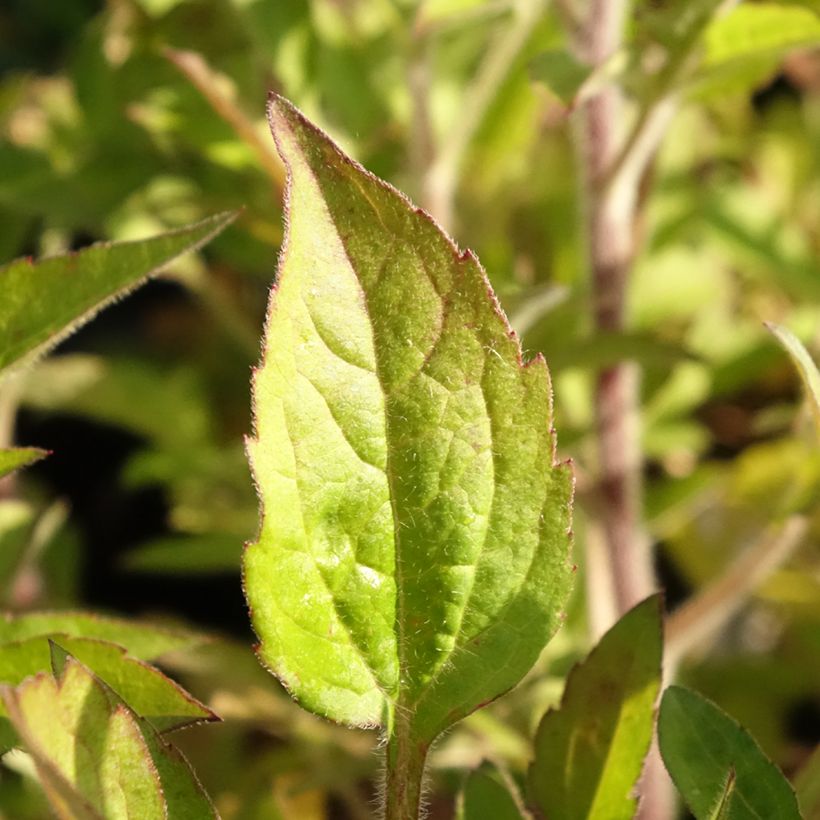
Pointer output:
x,y
142,640
807,786
590,751
11,460
746,44
703,748
394,438
486,796
45,301
805,365
94,756
16,520
561,73
189,555
144,688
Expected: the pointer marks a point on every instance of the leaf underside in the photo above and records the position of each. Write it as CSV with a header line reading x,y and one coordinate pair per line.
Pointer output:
x,y
413,548
589,753
704,750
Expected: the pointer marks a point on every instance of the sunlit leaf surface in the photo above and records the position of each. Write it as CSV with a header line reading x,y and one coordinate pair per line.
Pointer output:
x,y
413,550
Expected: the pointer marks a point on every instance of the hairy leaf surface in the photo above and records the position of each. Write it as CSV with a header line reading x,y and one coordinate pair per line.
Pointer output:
x,y
94,756
589,752
712,759
413,549
45,301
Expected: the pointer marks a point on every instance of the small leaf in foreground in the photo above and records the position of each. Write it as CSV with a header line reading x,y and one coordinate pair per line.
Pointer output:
x,y
17,457
94,756
701,748
805,366
45,301
590,751
412,559
144,688
141,640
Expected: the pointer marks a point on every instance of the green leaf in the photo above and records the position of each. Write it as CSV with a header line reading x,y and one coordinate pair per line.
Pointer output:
x,y
756,30
807,786
701,746
144,688
412,559
14,459
141,640
486,796
45,301
561,73
589,753
805,365
199,554
94,756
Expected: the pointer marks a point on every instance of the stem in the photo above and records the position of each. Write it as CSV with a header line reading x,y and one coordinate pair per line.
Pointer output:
x,y
610,236
405,761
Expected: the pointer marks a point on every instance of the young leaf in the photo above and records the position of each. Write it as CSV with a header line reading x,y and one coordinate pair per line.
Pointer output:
x,y
45,301
589,753
144,688
94,756
141,640
486,796
14,459
412,555
702,746
805,366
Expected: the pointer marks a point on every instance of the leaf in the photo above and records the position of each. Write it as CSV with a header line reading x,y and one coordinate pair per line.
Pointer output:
x,y
45,301
412,555
754,35
589,753
141,640
199,554
486,796
805,366
94,756
561,73
144,688
701,745
14,459
807,786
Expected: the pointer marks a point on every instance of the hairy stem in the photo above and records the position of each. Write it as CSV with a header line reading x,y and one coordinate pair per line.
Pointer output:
x,y
404,771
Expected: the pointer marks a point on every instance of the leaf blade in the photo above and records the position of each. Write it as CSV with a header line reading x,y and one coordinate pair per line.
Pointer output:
x,y
701,745
587,760
393,410
17,457
95,757
45,301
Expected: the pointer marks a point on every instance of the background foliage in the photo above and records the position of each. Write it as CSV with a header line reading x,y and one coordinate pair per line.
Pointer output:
x,y
120,119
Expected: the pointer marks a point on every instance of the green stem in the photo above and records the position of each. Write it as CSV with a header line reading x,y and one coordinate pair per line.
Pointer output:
x,y
404,775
